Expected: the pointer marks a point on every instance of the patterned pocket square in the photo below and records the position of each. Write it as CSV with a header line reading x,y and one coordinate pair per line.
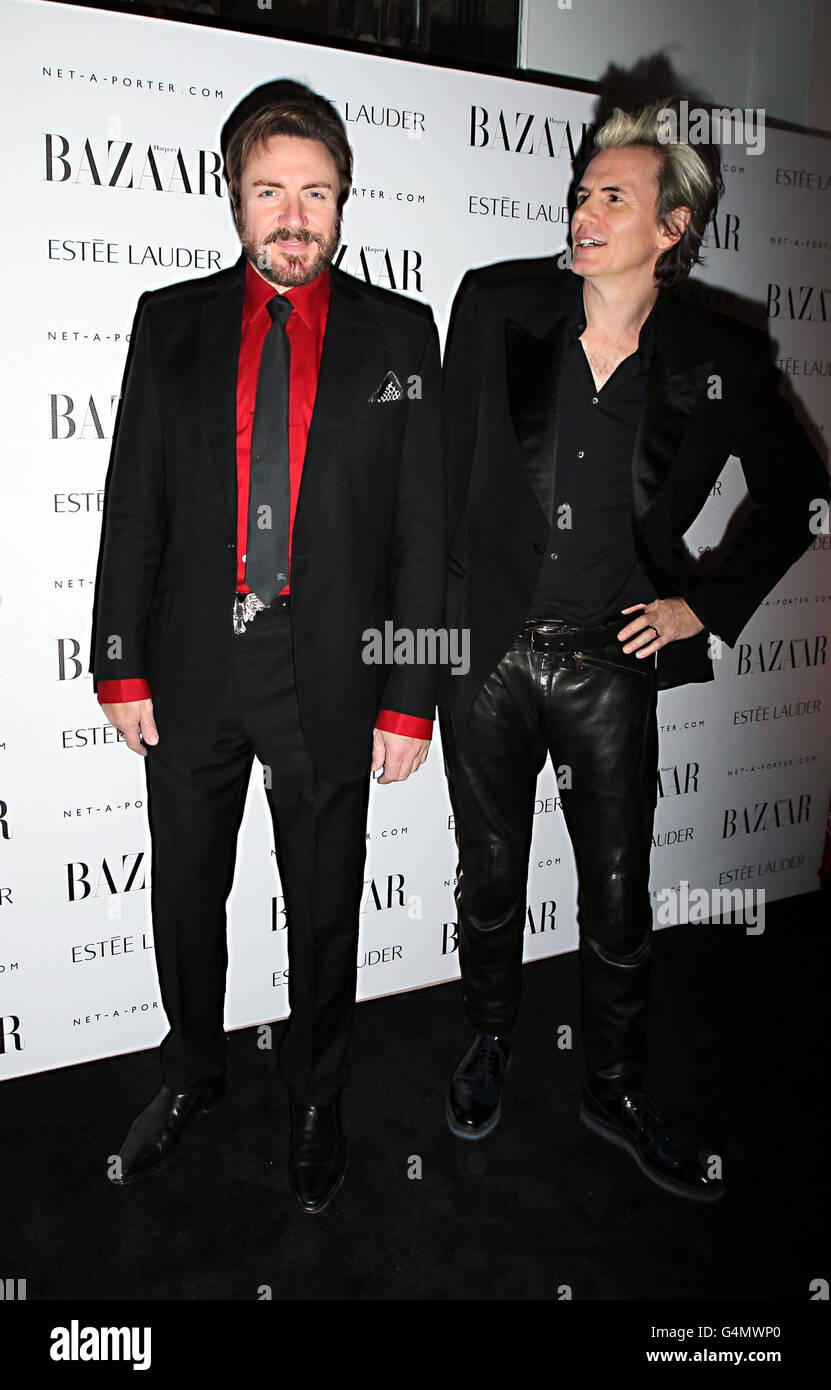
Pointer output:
x,y
389,390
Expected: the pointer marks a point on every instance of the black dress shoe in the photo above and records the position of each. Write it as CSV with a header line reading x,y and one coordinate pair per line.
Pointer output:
x,y
660,1149
317,1163
474,1096
154,1135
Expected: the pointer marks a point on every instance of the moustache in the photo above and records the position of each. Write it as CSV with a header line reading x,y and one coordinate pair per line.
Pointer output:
x,y
286,234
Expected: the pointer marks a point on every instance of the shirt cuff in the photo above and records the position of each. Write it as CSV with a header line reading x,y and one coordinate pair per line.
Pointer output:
x,y
410,725
120,692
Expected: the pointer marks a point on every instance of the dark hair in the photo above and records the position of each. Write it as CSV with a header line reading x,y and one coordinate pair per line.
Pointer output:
x,y
686,177
283,108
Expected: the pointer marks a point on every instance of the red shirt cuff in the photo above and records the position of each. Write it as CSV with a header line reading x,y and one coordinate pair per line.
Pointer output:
x,y
410,725
118,692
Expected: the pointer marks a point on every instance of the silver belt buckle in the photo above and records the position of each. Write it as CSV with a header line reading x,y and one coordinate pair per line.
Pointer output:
x,y
547,631
246,608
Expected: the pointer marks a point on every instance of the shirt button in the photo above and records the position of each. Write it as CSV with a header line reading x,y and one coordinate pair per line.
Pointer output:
x,y
579,453
594,400
244,558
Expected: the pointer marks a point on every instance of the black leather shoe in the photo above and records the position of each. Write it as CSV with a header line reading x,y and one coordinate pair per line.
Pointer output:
x,y
474,1096
154,1135
660,1149
317,1163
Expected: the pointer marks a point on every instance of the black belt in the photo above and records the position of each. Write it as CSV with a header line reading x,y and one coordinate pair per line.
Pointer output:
x,y
551,635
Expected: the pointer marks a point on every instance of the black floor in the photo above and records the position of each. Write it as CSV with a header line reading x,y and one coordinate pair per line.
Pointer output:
x,y
739,1043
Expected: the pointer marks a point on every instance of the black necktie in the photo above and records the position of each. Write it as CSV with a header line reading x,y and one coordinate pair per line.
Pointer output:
x,y
267,552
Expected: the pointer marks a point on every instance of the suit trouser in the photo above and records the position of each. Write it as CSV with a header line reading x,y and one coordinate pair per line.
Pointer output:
x,y
601,725
195,810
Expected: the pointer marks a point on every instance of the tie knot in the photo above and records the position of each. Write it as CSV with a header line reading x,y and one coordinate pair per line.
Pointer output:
x,y
279,308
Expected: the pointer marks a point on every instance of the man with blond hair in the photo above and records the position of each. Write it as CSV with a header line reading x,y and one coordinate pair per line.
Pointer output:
x,y
581,442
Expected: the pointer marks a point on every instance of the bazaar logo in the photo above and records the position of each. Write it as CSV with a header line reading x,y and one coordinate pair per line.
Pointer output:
x,y
382,265
524,132
121,164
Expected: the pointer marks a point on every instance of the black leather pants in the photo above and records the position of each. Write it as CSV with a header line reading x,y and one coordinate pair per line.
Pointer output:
x,y
601,723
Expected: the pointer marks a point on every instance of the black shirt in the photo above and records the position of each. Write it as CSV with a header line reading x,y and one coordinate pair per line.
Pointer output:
x,y
590,570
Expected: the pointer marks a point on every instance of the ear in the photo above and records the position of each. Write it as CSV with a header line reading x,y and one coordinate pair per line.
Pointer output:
x,y
675,225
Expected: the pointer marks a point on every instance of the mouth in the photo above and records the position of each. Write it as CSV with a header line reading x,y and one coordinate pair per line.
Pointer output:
x,y
586,243
296,241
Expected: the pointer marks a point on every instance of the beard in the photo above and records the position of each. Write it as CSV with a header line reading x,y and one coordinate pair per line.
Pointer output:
x,y
293,270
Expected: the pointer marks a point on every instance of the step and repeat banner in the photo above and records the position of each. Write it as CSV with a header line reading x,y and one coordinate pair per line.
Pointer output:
x,y
114,186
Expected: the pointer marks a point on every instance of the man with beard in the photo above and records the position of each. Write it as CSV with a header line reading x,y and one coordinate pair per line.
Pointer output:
x,y
273,493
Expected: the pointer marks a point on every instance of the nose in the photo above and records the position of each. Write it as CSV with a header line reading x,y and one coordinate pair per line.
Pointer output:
x,y
292,212
582,224
580,210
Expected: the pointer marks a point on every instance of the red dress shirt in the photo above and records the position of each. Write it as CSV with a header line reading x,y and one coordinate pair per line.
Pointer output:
x,y
306,328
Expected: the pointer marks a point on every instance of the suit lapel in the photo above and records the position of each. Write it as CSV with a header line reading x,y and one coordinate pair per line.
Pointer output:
x,y
677,385
534,354
344,352
218,362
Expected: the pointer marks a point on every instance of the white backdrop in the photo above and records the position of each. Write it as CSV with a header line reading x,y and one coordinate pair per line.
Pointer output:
x,y
112,125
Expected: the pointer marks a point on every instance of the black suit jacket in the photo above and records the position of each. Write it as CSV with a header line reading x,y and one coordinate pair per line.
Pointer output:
x,y
369,533
501,379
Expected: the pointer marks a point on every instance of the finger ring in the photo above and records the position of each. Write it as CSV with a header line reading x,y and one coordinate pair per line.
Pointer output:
x,y
652,628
